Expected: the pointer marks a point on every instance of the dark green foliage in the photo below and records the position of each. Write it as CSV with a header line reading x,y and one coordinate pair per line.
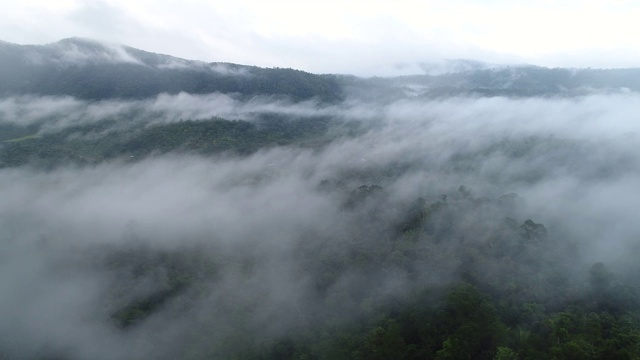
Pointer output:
x,y
142,308
93,143
531,230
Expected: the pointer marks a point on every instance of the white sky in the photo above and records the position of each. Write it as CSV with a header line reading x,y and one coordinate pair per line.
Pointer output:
x,y
371,37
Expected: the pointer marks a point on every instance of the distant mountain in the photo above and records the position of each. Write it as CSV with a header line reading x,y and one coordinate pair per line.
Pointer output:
x,y
475,79
92,70
445,66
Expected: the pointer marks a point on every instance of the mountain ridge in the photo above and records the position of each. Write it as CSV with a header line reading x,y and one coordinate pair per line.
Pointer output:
x,y
94,70
91,70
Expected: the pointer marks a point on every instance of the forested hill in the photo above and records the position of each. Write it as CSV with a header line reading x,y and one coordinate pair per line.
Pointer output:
x,y
91,70
507,81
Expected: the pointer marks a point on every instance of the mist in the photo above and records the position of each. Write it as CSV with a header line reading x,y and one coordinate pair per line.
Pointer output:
x,y
234,248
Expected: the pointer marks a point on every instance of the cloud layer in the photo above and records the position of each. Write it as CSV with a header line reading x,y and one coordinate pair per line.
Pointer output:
x,y
72,236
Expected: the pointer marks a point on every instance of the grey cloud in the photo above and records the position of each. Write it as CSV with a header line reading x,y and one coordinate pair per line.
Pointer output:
x,y
246,221
67,54
589,115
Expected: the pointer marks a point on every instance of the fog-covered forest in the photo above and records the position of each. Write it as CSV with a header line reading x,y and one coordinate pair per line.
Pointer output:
x,y
158,208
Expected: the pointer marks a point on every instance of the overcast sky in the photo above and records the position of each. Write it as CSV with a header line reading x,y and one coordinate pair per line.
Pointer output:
x,y
369,37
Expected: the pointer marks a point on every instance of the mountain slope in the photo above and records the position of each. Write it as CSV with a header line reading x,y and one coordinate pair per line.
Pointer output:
x,y
509,81
90,70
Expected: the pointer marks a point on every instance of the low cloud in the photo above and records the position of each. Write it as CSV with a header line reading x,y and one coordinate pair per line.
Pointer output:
x,y
78,52
243,228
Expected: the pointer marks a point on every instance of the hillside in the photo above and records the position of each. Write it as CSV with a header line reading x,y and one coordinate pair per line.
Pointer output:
x,y
509,81
90,70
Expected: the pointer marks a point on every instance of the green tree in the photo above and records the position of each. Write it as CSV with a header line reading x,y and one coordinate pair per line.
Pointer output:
x,y
505,353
